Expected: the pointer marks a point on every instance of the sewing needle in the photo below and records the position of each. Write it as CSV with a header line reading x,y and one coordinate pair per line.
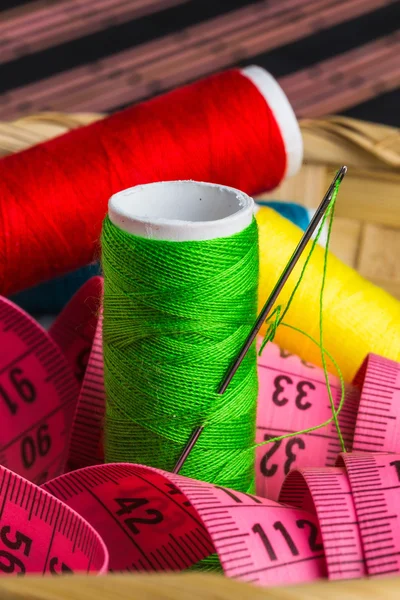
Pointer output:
x,y
267,306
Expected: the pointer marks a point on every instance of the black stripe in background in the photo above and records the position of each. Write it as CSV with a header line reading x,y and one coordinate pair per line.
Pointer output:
x,y
110,41
382,109
281,61
9,4
330,42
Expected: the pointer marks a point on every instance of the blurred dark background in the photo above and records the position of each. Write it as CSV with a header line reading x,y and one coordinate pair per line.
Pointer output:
x,y
330,56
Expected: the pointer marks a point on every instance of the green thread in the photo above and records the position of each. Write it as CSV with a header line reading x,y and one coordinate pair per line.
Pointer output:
x,y
321,335
210,564
184,306
175,316
276,319
334,410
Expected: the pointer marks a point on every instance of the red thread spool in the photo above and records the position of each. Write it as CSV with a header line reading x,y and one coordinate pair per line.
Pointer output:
x,y
235,128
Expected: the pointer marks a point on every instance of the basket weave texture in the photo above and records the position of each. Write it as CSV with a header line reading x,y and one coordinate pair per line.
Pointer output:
x,y
366,231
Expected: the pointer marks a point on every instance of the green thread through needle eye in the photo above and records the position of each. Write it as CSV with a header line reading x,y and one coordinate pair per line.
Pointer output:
x,y
323,210
279,321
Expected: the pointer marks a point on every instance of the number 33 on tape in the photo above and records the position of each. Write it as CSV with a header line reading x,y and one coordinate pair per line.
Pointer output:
x,y
293,397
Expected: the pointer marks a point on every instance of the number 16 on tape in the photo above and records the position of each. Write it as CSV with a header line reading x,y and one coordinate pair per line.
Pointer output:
x,y
37,397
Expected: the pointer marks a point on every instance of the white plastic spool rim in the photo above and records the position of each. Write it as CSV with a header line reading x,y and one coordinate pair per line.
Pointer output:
x,y
181,210
288,125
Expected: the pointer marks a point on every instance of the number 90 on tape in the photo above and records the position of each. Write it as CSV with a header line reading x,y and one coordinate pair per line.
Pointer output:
x,y
37,396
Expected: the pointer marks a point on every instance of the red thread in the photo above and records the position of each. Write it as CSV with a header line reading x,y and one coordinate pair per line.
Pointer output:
x,y
54,196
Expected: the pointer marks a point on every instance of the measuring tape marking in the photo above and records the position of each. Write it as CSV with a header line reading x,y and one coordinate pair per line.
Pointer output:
x,y
75,327
327,494
39,533
223,543
374,481
86,443
256,539
379,380
225,548
79,484
36,392
292,397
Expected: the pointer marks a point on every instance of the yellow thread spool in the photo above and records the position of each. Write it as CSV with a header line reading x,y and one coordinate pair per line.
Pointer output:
x,y
359,317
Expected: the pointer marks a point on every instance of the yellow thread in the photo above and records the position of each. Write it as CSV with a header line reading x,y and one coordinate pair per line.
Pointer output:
x,y
273,325
358,316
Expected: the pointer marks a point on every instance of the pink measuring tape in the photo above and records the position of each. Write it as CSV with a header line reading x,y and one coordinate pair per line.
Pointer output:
x,y
293,397
357,505
40,534
52,400
37,398
378,421
152,520
327,494
78,332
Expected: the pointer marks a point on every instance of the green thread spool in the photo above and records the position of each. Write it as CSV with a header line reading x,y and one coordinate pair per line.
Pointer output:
x,y
180,263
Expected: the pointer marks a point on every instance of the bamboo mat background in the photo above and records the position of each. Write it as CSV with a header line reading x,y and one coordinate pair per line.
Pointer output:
x,y
99,55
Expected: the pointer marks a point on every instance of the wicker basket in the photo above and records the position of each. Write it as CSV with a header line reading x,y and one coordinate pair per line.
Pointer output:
x,y
367,224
